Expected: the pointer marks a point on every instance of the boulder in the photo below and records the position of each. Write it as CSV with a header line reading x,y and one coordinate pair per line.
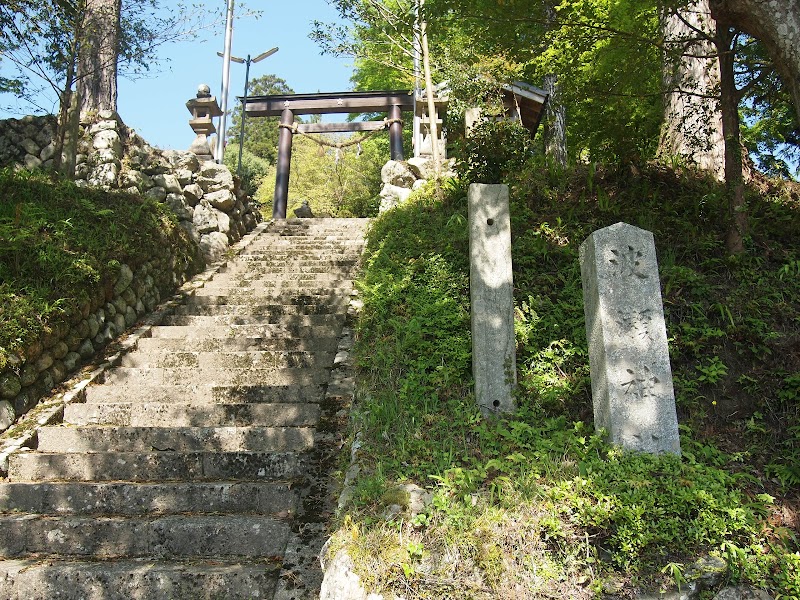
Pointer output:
x,y
398,174
392,195
214,245
221,199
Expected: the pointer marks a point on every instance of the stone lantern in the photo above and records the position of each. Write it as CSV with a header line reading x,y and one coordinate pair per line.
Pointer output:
x,y
203,109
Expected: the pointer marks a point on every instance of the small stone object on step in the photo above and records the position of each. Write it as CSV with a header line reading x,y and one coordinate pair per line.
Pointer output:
x,y
304,212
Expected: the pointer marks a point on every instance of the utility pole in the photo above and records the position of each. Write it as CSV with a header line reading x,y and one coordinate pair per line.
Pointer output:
x,y
226,77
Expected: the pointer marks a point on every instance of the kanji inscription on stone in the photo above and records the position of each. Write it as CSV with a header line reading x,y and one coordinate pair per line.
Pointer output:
x,y
632,392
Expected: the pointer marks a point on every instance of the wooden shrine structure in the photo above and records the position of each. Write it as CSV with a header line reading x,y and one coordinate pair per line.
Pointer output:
x,y
288,105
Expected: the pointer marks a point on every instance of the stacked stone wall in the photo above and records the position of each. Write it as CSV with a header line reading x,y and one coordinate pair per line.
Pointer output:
x,y
204,196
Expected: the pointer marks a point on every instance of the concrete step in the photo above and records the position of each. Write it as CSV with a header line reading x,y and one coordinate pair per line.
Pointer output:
x,y
123,498
283,280
172,536
238,344
254,359
281,299
252,319
191,414
264,309
261,331
153,466
246,290
174,439
207,394
130,377
144,579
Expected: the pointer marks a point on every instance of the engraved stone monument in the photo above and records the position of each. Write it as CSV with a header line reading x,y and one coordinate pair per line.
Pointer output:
x,y
632,391
491,286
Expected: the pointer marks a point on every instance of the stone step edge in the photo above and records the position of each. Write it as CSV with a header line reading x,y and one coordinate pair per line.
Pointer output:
x,y
50,410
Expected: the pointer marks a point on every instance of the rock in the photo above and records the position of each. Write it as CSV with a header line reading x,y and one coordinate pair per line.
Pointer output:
x,y
104,175
94,325
134,178
189,228
24,401
119,322
304,211
48,152
30,146
119,305
215,177
124,279
742,593
391,196
28,375
130,317
32,162
205,217
169,182
398,173
341,580
222,199
421,166
108,139
71,361
86,349
7,415
223,223
213,245
60,350
178,206
45,362
184,176
10,385
58,371
192,193
157,193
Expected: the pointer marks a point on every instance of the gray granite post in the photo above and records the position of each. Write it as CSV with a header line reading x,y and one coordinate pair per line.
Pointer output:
x,y
491,288
632,391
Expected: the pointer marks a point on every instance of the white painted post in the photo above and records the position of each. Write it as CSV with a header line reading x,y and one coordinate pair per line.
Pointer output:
x,y
494,365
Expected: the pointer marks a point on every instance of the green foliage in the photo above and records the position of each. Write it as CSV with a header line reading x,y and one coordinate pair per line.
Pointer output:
x,y
59,244
538,499
254,170
341,183
493,150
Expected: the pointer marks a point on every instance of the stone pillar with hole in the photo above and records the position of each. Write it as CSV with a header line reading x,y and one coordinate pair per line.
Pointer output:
x,y
491,285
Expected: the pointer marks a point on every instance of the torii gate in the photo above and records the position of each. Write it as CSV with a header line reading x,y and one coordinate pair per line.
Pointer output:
x,y
288,105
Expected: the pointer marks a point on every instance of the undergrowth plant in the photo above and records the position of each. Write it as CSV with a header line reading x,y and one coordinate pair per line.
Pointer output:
x,y
59,244
537,501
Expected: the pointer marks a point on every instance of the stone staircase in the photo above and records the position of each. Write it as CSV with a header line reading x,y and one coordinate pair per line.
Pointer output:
x,y
197,469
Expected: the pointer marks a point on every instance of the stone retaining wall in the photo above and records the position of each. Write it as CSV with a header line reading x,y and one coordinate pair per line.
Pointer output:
x,y
205,197
32,373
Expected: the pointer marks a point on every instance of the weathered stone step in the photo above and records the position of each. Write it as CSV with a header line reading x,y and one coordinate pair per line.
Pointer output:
x,y
153,466
314,280
284,272
295,259
207,394
144,579
268,289
280,299
174,439
168,536
230,376
252,319
255,359
264,309
239,344
190,414
123,498
262,331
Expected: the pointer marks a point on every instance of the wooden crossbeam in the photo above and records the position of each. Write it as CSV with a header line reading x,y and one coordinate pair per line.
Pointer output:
x,y
328,103
341,127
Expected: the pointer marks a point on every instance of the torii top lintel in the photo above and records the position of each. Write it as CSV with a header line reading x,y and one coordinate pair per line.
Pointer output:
x,y
328,103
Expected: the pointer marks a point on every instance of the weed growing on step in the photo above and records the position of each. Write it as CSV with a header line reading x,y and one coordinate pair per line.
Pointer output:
x,y
537,501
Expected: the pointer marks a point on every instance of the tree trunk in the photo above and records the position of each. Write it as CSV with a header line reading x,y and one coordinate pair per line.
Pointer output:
x,y
692,129
97,59
738,221
555,132
777,25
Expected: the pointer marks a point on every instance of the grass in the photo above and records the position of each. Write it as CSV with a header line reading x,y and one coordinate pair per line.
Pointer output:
x,y
538,504
62,246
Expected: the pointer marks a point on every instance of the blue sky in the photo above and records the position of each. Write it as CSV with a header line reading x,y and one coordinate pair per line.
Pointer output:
x,y
156,106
